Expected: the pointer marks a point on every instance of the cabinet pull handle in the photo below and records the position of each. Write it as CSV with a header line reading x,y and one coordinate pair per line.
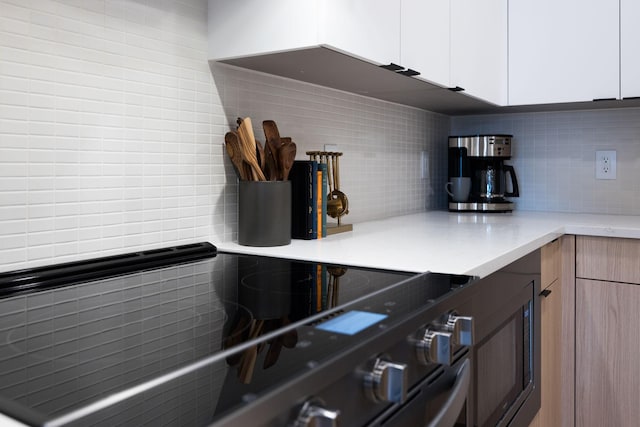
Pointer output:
x,y
603,99
456,89
392,67
545,293
409,72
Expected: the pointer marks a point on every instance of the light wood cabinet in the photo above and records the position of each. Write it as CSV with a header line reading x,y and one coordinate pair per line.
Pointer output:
x,y
551,335
551,258
607,331
611,259
557,334
551,343
607,349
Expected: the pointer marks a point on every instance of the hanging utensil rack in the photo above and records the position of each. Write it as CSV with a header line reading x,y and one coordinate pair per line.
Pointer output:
x,y
337,201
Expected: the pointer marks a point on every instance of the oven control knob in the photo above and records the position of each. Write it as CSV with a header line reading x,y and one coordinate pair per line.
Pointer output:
x,y
434,347
314,414
386,382
461,327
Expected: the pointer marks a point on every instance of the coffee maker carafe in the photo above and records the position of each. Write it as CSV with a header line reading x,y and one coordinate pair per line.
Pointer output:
x,y
479,160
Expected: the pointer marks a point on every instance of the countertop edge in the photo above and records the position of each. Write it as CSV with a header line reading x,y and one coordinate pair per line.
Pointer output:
x,y
444,242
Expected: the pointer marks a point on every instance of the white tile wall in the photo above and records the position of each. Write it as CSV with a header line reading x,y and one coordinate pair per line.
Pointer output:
x,y
105,128
112,126
381,142
554,157
111,130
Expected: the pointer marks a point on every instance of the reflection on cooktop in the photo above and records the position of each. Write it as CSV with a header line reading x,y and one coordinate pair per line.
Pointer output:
x,y
64,348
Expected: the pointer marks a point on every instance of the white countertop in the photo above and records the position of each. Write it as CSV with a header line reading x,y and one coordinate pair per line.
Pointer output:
x,y
444,242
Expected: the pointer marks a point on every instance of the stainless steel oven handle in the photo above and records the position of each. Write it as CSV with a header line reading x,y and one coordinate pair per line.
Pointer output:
x,y
451,410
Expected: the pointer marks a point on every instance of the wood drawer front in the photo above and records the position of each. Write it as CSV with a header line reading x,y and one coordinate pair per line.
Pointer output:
x,y
607,349
550,255
609,259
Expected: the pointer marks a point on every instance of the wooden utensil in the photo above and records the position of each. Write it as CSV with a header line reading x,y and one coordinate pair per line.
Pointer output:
x,y
248,362
271,165
260,156
334,204
235,337
341,195
273,353
337,202
234,150
248,144
273,140
286,157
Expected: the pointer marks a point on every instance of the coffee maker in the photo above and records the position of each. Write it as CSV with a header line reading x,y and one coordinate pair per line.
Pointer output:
x,y
480,158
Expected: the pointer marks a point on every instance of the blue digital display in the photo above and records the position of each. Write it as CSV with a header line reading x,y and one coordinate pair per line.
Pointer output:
x,y
352,322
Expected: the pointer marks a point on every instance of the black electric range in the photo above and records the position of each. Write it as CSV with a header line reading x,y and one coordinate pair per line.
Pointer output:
x,y
188,335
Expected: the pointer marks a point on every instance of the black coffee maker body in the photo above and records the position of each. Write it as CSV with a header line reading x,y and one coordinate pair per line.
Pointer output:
x,y
481,158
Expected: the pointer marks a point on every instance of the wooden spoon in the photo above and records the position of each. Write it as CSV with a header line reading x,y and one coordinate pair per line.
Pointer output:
x,y
272,135
271,165
248,143
232,144
286,157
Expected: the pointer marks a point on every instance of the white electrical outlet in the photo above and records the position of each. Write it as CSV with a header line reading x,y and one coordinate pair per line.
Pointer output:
x,y
606,164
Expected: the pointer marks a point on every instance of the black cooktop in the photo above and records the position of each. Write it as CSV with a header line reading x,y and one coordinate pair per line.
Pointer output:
x,y
140,339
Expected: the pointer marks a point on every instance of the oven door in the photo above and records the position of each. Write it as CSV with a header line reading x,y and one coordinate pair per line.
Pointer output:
x,y
439,400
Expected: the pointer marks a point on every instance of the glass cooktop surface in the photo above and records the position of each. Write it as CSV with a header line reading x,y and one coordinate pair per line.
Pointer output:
x,y
184,344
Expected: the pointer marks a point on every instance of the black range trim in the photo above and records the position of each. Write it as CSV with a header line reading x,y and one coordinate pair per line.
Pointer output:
x,y
97,268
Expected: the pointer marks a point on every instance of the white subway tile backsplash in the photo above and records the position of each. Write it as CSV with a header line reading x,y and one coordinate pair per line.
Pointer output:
x,y
112,126
554,157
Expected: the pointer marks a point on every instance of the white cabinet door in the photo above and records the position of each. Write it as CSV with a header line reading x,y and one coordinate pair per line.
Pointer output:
x,y
369,29
479,48
424,39
629,48
563,51
250,27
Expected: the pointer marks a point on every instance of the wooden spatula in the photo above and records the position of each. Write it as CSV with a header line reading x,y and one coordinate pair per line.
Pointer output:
x,y
248,142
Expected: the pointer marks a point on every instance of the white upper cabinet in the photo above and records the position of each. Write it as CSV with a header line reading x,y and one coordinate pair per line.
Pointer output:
x,y
367,29
449,42
424,39
252,27
479,48
563,51
629,48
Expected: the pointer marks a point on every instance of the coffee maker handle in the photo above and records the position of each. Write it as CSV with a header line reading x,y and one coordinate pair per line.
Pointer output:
x,y
514,181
